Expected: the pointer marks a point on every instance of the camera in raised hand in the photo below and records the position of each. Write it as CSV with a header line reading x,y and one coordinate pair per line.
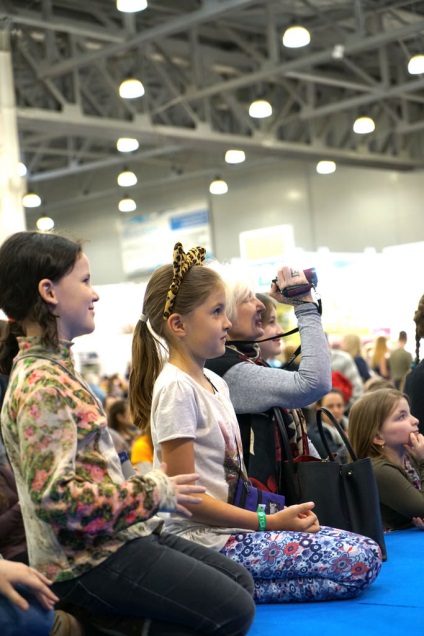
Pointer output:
x,y
291,291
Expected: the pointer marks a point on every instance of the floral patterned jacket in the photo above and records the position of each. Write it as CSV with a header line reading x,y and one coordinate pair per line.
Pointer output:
x,y
76,505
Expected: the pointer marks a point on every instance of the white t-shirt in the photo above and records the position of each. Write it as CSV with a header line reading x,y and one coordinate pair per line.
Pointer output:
x,y
182,408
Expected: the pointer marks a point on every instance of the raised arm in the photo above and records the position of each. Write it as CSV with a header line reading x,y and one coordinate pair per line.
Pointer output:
x,y
254,389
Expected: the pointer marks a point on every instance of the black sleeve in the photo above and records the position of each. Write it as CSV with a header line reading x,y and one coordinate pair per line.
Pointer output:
x,y
414,388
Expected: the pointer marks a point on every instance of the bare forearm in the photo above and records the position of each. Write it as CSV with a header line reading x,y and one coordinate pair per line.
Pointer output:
x,y
213,512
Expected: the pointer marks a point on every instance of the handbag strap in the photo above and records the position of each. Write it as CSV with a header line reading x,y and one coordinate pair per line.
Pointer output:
x,y
340,431
284,436
291,469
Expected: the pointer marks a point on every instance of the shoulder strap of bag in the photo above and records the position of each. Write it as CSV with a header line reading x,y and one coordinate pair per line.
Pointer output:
x,y
283,434
340,431
292,485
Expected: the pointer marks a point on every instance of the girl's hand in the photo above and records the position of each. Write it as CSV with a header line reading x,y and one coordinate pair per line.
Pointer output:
x,y
418,522
299,518
12,573
184,488
287,276
416,446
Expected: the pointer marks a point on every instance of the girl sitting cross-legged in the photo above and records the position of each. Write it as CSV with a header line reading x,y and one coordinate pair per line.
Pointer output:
x,y
194,426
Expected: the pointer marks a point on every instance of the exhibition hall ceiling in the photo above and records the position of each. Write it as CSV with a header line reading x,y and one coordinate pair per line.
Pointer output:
x,y
202,63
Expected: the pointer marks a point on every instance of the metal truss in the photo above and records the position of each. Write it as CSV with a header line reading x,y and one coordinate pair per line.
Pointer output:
x,y
202,63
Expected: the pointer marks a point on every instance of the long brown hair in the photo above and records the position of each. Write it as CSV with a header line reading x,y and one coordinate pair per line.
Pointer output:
x,y
25,259
380,351
148,345
367,416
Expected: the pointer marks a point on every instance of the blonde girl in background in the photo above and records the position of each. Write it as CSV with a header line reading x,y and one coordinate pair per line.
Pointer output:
x,y
380,357
351,343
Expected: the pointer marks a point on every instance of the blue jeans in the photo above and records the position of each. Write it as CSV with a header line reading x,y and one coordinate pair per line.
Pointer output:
x,y
35,621
184,588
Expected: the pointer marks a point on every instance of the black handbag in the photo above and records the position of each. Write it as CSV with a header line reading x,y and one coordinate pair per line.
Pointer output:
x,y
345,495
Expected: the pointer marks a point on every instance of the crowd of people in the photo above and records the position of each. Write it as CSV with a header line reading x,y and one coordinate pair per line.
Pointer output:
x,y
165,549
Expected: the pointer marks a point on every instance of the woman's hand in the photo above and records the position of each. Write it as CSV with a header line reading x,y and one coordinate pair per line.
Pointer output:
x,y
287,276
298,518
184,488
12,573
418,522
416,446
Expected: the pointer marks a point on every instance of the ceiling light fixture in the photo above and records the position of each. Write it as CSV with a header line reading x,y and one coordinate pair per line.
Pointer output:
x,y
235,156
45,224
218,186
295,37
31,200
127,205
127,179
416,65
364,125
326,167
260,109
131,6
22,169
127,144
131,88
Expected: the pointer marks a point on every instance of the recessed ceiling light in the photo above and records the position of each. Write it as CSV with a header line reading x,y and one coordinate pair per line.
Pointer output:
x,y
131,6
326,167
218,186
22,169
235,156
416,65
131,88
295,37
260,109
127,205
363,125
127,144
45,223
31,200
127,178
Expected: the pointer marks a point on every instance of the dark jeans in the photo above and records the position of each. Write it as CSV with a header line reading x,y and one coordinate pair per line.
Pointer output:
x,y
181,586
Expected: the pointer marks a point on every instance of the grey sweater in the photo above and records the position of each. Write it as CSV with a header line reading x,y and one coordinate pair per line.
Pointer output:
x,y
255,389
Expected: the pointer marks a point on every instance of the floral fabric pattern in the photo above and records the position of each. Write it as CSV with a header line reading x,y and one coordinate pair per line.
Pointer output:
x,y
76,505
296,566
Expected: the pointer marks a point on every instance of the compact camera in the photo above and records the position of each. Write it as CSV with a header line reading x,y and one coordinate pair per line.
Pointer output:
x,y
303,288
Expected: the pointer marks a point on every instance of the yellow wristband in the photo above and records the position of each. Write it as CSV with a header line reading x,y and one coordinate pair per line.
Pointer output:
x,y
262,520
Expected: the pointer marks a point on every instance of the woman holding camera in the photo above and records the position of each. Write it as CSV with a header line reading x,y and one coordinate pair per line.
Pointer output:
x,y
256,388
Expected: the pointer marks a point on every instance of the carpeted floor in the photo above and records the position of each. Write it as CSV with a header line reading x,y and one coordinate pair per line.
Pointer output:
x,y
393,605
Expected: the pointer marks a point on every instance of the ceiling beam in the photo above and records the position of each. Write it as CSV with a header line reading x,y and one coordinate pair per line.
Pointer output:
x,y
103,163
377,95
210,11
352,46
72,122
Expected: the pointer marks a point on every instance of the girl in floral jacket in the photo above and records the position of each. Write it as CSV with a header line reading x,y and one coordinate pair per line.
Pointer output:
x,y
89,530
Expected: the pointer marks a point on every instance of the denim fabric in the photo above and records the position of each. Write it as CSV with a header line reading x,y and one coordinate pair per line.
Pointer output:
x,y
35,621
181,586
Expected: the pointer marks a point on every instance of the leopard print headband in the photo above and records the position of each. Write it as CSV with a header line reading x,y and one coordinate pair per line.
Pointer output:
x,y
181,264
